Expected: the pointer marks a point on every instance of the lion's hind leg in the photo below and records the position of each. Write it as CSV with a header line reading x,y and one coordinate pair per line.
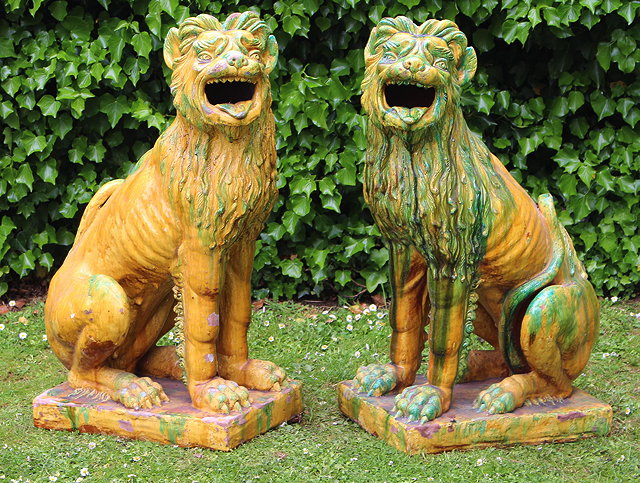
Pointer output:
x,y
98,324
557,333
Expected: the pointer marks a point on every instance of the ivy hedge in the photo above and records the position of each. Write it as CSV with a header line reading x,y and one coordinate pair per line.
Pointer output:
x,y
556,97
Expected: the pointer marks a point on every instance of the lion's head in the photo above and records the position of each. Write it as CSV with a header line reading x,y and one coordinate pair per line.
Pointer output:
x,y
414,73
220,70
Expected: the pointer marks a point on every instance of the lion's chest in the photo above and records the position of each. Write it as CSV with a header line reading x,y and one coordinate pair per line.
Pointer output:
x,y
228,200
439,212
394,202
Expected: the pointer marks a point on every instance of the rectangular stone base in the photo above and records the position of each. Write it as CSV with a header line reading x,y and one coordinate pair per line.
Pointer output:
x,y
175,422
462,427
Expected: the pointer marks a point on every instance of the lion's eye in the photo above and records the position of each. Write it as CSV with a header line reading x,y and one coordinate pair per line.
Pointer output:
x,y
255,54
389,57
441,64
204,56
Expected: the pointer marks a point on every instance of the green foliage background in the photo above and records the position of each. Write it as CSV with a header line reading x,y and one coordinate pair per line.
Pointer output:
x,y
84,94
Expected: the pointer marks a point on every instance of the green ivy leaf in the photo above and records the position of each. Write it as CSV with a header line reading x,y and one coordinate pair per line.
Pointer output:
x,y
326,186
290,221
26,263
347,176
586,174
32,143
48,171
343,277
113,107
302,184
6,48
567,157
291,268
575,100
628,11
603,54
58,10
48,105
605,179
95,152
602,106
25,176
5,109
61,125
291,24
317,112
374,279
331,201
301,205
485,102
142,43
567,184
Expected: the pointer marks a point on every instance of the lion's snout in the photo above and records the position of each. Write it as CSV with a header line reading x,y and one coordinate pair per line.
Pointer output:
x,y
235,59
413,64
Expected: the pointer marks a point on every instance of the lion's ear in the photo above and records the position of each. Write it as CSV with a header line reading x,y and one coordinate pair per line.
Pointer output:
x,y
171,47
369,50
467,66
270,54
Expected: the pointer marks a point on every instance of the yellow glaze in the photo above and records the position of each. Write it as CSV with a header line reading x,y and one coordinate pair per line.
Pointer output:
x,y
469,249
184,223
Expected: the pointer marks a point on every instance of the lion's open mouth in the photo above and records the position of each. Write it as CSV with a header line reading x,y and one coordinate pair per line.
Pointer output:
x,y
229,91
409,95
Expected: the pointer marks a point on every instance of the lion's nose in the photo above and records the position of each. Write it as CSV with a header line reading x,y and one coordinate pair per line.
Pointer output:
x,y
413,65
235,58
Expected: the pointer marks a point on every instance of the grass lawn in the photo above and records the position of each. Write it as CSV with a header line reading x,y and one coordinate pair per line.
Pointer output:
x,y
319,348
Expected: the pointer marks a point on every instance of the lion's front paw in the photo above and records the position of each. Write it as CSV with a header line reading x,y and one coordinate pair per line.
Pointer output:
x,y
496,400
140,392
220,396
422,403
376,379
264,375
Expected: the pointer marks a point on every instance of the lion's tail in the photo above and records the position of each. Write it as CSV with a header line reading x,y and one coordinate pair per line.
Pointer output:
x,y
517,300
97,202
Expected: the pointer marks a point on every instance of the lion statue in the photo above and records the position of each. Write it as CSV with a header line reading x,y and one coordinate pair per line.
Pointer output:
x,y
186,222
469,250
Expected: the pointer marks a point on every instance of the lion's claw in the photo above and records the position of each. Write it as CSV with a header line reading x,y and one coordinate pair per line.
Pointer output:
x,y
259,375
221,396
375,379
422,403
141,392
495,400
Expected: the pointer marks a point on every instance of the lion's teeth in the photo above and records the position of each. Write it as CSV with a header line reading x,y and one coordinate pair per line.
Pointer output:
x,y
232,79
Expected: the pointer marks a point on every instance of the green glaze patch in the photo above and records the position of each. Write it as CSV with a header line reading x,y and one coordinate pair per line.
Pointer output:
x,y
172,427
76,415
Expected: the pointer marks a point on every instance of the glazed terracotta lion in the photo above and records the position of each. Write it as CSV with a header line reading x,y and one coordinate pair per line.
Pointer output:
x,y
469,249
186,221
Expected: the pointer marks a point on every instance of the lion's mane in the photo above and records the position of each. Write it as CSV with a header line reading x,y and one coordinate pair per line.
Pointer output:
x,y
429,189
